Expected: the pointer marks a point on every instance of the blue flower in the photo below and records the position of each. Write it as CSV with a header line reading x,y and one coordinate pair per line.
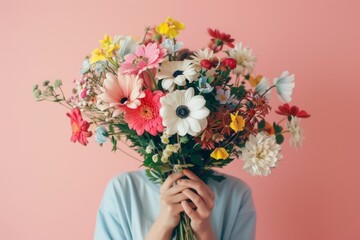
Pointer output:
x,y
85,67
204,86
168,44
101,66
101,134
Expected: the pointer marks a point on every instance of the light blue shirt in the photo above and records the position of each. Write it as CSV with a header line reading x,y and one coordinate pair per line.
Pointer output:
x,y
131,203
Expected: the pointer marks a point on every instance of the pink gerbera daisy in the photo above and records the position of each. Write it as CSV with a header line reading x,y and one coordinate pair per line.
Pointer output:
x,y
146,57
122,92
146,117
79,127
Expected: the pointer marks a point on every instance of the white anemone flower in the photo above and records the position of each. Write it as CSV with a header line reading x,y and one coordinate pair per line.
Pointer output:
x,y
245,59
284,86
176,72
183,113
295,132
261,153
263,87
201,55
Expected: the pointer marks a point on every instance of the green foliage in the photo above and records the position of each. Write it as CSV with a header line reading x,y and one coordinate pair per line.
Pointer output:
x,y
279,139
261,124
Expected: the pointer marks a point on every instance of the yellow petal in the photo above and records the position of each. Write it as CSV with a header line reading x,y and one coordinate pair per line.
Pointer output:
x,y
254,81
219,153
97,55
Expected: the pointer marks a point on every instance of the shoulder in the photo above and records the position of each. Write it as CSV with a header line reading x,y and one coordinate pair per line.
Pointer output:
x,y
235,190
231,183
121,185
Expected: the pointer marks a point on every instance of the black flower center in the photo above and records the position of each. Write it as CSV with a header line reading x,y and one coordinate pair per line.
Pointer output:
x,y
177,73
182,111
123,100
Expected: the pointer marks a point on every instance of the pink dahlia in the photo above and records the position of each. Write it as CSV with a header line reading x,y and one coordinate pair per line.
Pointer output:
x,y
146,57
122,92
146,117
79,127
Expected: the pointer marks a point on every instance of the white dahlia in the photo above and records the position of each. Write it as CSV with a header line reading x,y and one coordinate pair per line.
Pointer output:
x,y
284,86
176,72
261,153
244,58
295,132
183,113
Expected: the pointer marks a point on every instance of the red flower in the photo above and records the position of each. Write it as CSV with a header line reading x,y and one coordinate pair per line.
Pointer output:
x,y
286,110
229,62
79,127
219,39
146,117
206,64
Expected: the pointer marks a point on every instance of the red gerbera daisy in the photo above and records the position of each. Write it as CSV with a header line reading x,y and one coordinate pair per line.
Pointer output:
x,y
286,110
219,39
79,127
146,117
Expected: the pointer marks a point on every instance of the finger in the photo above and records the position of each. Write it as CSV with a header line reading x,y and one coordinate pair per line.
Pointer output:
x,y
200,189
197,200
176,189
170,180
178,208
194,177
191,175
189,211
177,198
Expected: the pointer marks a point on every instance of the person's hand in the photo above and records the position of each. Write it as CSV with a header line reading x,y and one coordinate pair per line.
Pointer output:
x,y
204,202
171,197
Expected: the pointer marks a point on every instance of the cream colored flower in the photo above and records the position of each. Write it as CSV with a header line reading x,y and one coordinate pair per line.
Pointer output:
x,y
296,132
244,58
200,55
261,153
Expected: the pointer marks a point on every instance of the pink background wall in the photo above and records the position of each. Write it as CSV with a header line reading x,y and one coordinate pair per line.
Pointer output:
x,y
50,188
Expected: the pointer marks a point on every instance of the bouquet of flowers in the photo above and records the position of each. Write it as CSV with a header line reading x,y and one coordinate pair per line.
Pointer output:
x,y
177,108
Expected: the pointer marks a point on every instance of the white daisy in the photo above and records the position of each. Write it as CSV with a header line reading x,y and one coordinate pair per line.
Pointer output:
x,y
176,72
201,55
244,58
262,87
183,113
295,132
261,153
284,86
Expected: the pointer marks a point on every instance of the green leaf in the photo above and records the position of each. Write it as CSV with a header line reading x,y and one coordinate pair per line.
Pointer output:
x,y
279,139
261,125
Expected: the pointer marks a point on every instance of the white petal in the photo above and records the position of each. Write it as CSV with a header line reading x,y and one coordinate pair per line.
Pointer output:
x,y
194,124
182,126
200,114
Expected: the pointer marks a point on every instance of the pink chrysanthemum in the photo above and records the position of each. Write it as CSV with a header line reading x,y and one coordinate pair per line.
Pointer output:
x,y
146,57
79,127
146,117
122,92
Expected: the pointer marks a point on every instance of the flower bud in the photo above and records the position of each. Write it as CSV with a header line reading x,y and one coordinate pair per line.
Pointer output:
x,y
230,63
207,64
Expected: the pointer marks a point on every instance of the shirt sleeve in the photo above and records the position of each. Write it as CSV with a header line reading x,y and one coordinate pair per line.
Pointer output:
x,y
110,223
245,223
108,226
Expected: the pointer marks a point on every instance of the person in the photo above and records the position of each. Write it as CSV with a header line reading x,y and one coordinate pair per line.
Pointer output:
x,y
133,207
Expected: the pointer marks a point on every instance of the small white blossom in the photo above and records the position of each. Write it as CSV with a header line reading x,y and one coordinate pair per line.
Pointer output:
x,y
155,158
295,132
149,149
164,159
